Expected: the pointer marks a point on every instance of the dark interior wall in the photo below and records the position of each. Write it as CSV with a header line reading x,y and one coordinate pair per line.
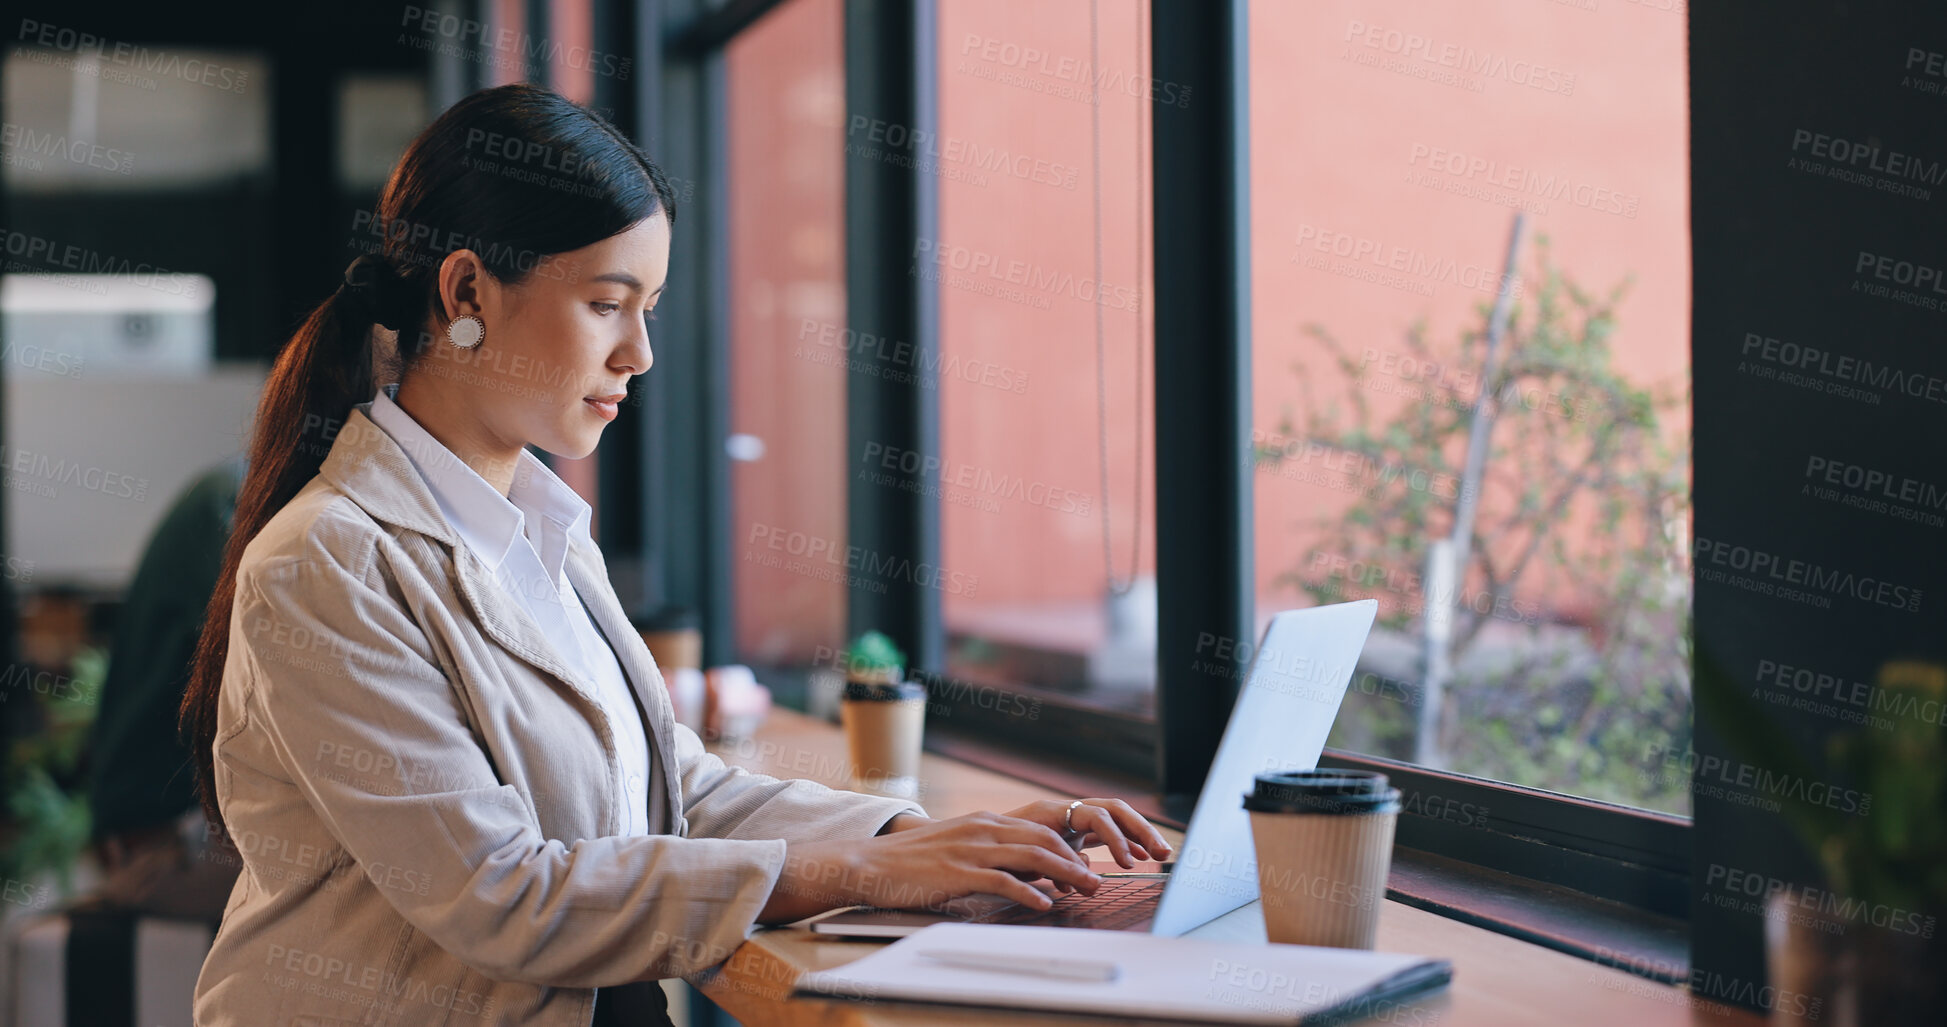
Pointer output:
x,y
225,233
1791,259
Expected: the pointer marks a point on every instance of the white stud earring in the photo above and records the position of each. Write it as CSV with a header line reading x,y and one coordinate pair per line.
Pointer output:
x,y
466,331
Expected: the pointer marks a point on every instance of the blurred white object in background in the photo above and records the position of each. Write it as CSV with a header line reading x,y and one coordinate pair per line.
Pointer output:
x,y
741,701
110,326
1126,658
686,685
113,404
744,448
824,690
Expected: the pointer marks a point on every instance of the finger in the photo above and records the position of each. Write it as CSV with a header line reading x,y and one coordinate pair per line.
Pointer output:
x,y
1048,813
1032,863
999,882
1102,823
1140,832
1027,832
1048,865
1036,811
1036,878
1145,842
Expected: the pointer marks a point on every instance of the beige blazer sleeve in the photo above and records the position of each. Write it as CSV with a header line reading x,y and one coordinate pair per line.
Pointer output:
x,y
722,801
500,897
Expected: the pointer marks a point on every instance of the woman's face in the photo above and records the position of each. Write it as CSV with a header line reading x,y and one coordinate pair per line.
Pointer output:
x,y
560,346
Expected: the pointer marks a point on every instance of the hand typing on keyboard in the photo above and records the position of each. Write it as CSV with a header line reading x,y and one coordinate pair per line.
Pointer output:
x,y
1106,822
924,864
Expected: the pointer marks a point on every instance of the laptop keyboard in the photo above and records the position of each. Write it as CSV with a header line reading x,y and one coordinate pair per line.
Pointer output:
x,y
1116,905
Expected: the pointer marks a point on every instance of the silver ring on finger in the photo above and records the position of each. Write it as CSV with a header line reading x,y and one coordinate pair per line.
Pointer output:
x,y
1068,818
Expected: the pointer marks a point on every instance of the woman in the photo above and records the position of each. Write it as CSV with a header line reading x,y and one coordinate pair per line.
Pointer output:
x,y
419,712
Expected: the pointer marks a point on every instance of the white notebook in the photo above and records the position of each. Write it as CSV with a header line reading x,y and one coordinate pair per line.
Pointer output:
x,y
1154,977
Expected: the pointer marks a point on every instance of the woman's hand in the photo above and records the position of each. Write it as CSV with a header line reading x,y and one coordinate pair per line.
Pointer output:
x,y
922,864
1107,822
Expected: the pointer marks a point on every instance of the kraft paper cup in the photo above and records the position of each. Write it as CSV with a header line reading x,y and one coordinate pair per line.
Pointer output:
x,y
674,635
1324,842
884,725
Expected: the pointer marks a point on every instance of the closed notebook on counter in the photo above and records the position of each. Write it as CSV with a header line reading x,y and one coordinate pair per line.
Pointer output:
x,y
1148,976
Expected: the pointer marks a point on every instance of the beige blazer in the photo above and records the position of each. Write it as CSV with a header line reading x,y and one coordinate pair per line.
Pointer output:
x,y
421,790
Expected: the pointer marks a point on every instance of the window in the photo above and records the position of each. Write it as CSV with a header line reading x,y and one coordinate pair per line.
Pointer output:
x,y
378,116
1032,350
789,344
1044,476
1391,147
136,119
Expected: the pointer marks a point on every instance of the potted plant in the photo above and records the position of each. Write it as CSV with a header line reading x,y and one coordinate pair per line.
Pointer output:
x,y
1882,965
873,659
46,800
884,717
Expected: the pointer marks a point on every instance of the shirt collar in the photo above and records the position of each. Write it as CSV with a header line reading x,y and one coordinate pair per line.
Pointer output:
x,y
488,522
556,516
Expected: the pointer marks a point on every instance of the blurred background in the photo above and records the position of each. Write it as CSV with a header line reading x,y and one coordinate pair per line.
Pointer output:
x,y
181,185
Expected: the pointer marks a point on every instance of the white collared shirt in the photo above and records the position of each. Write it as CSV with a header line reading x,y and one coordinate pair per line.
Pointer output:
x,y
523,538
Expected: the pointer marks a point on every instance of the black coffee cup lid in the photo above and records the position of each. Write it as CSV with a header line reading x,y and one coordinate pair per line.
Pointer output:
x,y
880,691
1329,791
669,618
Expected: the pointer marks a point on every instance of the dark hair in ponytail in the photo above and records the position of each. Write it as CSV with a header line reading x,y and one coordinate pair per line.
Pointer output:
x,y
515,174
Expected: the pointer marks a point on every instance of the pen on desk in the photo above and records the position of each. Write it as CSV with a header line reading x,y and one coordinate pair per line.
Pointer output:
x,y
1037,966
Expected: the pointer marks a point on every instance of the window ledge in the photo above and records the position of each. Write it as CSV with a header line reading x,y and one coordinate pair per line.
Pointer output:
x,y
1610,933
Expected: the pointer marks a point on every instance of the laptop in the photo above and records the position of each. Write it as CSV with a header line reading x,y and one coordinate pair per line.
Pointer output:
x,y
1290,696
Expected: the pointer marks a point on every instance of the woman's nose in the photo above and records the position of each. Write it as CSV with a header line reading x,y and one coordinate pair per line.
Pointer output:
x,y
635,356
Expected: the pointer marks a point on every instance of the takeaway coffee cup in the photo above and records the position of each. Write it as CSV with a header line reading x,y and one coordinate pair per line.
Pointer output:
x,y
674,635
1324,842
883,725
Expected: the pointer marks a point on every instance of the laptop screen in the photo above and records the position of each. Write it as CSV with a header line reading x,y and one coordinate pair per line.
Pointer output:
x,y
1291,693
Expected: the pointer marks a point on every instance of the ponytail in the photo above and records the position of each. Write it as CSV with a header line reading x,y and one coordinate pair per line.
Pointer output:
x,y
440,198
323,371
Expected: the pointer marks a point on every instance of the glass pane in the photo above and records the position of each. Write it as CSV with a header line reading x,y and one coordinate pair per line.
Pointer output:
x,y
122,118
1042,264
1392,145
787,331
378,117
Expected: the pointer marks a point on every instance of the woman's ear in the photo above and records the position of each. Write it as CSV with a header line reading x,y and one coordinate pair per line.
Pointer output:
x,y
462,276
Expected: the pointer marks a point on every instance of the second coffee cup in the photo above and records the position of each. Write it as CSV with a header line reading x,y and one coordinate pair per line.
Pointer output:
x,y
1324,842
884,723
